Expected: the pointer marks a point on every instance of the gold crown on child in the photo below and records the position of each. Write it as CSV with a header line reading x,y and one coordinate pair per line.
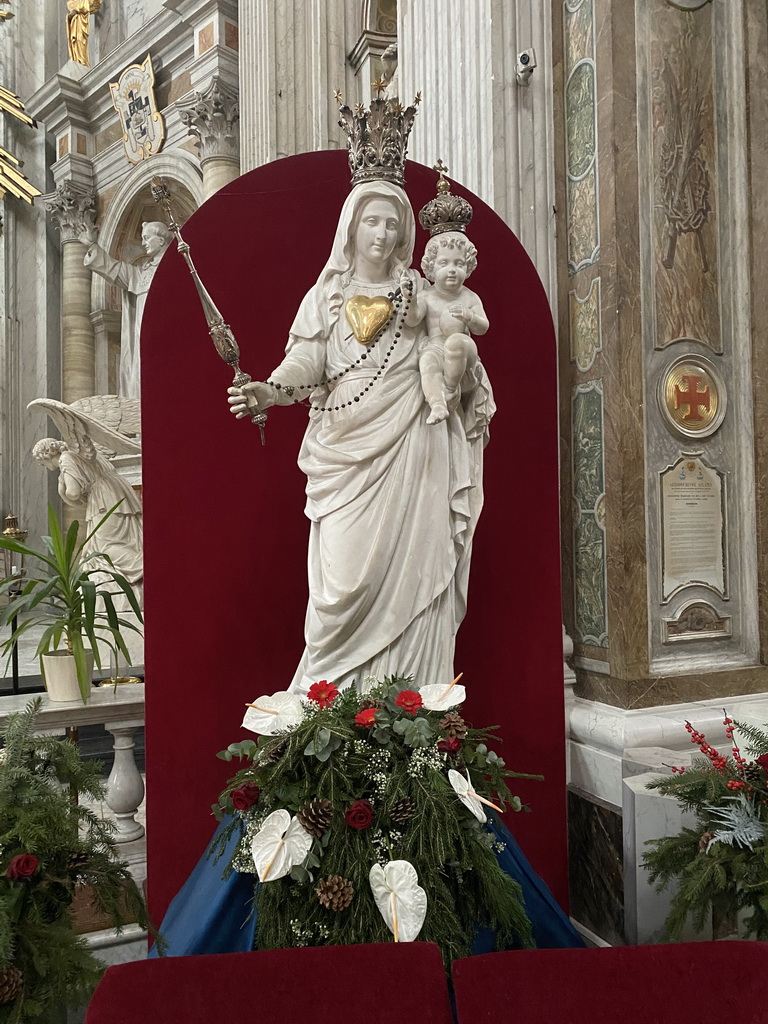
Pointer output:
x,y
446,212
377,138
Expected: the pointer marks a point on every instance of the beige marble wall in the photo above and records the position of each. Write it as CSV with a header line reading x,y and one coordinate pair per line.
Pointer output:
x,y
622,312
756,59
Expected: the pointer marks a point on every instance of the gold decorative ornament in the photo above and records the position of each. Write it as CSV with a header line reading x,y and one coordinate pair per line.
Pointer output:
x,y
79,27
13,181
367,316
692,397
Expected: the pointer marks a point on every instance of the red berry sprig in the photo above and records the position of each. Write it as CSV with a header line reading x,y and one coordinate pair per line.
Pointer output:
x,y
719,763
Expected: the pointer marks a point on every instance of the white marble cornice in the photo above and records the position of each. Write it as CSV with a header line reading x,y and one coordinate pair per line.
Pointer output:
x,y
59,104
196,11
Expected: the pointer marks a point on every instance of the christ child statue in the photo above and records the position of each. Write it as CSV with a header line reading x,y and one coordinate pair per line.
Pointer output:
x,y
452,312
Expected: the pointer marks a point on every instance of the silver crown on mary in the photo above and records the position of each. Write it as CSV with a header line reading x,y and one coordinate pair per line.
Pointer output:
x,y
446,212
377,138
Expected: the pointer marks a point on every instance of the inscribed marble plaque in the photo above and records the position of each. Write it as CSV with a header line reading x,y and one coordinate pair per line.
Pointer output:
x,y
693,527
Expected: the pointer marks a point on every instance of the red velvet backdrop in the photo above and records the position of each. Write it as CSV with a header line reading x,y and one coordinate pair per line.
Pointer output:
x,y
225,534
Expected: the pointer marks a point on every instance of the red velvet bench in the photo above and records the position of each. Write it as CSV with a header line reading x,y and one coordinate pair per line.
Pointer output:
x,y
390,983
685,983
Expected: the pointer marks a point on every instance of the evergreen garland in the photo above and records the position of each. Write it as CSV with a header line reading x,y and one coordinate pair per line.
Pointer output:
x,y
48,845
386,757
721,865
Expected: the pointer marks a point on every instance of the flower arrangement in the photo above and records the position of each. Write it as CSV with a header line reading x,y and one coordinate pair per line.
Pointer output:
x,y
48,846
362,818
721,865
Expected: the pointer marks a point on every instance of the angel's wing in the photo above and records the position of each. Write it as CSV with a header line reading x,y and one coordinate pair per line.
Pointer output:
x,y
83,432
113,411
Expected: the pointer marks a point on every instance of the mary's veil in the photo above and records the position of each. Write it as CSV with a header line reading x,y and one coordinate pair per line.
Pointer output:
x,y
320,307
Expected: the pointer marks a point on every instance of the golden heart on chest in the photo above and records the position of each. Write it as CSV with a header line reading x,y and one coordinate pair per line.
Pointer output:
x,y
367,316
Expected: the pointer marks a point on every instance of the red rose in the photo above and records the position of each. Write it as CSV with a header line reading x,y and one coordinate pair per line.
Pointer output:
x,y
366,717
359,815
409,701
22,867
323,693
450,746
762,761
245,796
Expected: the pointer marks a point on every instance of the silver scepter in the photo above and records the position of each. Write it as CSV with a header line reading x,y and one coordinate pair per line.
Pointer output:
x,y
219,330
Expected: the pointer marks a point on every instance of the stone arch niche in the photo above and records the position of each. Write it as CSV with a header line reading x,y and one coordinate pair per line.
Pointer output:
x,y
120,235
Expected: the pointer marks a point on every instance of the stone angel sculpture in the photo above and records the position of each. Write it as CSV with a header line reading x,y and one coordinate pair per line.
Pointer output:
x,y
93,431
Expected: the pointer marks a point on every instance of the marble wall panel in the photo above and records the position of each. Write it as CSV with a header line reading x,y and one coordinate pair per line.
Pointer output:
x,y
685,207
693,146
596,871
585,326
588,476
756,58
583,227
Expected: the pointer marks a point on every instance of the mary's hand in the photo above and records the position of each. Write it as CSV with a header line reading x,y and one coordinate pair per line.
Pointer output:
x,y
251,398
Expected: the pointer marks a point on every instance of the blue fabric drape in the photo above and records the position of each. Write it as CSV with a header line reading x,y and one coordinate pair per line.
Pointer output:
x,y
210,914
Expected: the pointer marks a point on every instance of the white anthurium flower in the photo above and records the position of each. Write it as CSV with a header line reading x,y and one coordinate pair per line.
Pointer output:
x,y
400,899
437,697
270,715
281,843
467,795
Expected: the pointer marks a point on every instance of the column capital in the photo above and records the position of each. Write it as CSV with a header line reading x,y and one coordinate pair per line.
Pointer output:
x,y
212,117
72,207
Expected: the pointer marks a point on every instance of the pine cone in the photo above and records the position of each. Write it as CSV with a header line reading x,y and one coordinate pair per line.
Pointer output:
x,y
753,772
403,810
316,816
368,702
77,862
272,753
335,892
453,725
705,841
11,980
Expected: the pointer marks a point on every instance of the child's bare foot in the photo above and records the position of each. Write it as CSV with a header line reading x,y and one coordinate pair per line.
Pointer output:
x,y
438,414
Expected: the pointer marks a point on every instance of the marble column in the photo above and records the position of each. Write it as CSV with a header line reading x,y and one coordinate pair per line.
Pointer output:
x,y
292,58
495,134
73,209
212,117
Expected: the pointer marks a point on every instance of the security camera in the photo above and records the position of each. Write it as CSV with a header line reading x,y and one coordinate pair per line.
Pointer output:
x,y
526,62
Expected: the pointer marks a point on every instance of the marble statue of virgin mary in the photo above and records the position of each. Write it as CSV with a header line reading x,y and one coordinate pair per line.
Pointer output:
x,y
393,502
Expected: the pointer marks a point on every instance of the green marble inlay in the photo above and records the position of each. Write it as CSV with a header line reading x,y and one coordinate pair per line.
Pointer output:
x,y
589,553
588,477
580,119
589,563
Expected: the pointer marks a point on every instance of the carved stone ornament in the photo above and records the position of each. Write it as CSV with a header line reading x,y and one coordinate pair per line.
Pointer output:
x,y
72,208
133,97
212,117
696,620
692,396
689,5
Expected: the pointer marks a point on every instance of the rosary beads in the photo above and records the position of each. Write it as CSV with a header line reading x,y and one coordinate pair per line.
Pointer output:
x,y
289,389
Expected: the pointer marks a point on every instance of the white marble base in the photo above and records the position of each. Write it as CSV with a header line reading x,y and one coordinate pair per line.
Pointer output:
x,y
613,754
599,734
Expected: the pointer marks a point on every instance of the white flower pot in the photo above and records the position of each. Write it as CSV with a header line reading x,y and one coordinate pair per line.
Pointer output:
x,y
60,675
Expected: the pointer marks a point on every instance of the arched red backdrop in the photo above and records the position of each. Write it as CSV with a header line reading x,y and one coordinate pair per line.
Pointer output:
x,y
225,534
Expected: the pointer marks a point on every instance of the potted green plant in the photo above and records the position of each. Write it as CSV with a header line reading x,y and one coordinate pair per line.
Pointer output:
x,y
54,849
72,595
